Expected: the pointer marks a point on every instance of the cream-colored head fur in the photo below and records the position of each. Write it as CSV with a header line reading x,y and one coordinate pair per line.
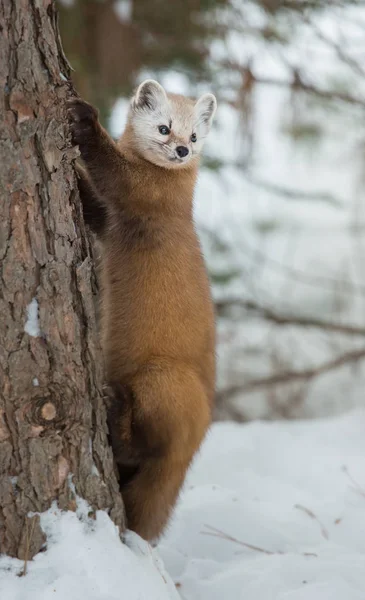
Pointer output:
x,y
166,125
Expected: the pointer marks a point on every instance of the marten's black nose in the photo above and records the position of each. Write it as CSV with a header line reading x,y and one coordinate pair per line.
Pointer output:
x,y
182,151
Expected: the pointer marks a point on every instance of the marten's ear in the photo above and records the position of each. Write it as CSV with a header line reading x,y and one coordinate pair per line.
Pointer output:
x,y
204,111
149,95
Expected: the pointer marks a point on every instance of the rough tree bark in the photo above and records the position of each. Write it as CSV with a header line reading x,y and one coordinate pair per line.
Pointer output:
x,y
52,419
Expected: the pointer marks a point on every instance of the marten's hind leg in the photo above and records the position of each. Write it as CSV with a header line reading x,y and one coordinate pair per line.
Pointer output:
x,y
171,414
127,454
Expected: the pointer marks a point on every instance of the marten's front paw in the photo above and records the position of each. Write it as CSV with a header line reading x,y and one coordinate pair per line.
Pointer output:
x,y
84,125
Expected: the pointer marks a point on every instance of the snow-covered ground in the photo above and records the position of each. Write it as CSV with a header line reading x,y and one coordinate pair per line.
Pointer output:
x,y
270,511
85,560
273,511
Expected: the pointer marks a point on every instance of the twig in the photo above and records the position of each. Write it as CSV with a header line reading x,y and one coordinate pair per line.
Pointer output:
x,y
225,536
28,538
356,486
311,514
214,532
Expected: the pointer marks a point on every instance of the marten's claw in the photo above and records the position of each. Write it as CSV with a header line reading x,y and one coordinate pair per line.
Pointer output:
x,y
83,120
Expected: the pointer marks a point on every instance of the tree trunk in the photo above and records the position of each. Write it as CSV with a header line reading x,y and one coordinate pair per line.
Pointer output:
x,y
53,432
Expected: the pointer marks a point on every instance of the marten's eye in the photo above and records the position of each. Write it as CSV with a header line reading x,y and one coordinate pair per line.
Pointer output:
x,y
193,137
164,130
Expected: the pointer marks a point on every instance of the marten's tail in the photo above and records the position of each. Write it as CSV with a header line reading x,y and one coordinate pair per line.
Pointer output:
x,y
170,416
150,496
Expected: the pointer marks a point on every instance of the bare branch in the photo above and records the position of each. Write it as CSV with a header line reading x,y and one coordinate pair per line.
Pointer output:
x,y
297,320
301,5
298,83
292,376
346,58
323,282
295,194
315,91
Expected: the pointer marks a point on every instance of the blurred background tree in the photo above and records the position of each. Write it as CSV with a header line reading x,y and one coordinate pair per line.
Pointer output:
x,y
109,42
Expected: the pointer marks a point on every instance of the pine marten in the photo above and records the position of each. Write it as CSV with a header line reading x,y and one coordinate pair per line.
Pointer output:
x,y
157,319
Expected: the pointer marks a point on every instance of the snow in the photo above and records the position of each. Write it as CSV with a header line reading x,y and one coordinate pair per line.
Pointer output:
x,y
270,510
31,326
123,9
294,492
86,559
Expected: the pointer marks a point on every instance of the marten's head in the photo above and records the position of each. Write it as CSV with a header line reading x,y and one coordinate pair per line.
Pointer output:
x,y
169,130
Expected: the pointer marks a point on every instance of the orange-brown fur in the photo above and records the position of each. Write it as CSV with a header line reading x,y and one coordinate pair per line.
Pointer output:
x,y
157,318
